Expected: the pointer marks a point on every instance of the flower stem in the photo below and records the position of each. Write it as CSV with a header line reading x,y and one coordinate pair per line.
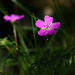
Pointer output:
x,y
7,48
15,36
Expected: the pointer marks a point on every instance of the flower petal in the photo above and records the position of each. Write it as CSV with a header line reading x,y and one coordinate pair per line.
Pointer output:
x,y
39,23
48,20
42,32
6,17
12,20
55,25
50,32
22,16
12,15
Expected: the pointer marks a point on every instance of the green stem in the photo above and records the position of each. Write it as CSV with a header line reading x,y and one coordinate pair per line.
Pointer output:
x,y
33,31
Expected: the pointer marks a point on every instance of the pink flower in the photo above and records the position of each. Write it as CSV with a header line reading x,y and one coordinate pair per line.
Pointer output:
x,y
47,27
12,17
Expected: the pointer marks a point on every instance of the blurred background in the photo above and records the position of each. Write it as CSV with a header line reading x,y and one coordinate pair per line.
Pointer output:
x,y
59,9
62,10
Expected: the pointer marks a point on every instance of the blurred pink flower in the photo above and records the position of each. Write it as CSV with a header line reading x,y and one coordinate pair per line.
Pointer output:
x,y
47,27
12,17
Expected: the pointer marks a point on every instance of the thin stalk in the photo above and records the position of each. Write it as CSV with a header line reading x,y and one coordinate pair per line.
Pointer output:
x,y
15,36
33,31
7,48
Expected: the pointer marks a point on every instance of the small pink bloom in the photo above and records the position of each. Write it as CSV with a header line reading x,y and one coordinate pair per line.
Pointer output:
x,y
12,17
47,26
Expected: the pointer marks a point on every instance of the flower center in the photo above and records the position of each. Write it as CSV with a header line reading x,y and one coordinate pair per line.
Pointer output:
x,y
47,26
13,18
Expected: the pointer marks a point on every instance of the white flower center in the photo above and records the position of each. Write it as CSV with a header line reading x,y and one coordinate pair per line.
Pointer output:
x,y
47,26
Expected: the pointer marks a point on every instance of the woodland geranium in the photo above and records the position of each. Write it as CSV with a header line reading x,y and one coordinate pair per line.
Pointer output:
x,y
47,26
12,17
